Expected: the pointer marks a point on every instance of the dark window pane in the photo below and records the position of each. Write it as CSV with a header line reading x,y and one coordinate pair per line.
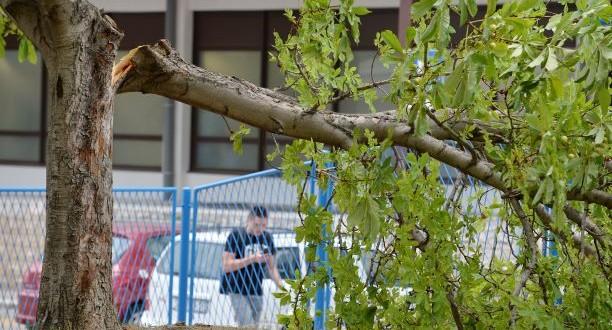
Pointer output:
x,y
276,79
19,148
363,61
20,92
221,156
228,30
212,124
137,153
271,146
137,113
139,28
244,64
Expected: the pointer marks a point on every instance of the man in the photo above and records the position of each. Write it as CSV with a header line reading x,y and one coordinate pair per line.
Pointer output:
x,y
247,251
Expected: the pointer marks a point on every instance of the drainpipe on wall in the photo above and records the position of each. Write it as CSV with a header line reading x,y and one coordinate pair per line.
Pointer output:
x,y
403,19
168,130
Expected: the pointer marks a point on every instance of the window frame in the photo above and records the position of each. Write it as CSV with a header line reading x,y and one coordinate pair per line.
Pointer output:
x,y
257,35
139,28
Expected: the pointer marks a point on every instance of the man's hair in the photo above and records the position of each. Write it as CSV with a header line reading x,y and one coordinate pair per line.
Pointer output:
x,y
259,211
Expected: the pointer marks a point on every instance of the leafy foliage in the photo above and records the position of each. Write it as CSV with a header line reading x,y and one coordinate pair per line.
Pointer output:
x,y
546,104
26,48
403,245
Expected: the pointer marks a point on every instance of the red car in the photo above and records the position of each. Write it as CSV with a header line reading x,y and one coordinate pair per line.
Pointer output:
x,y
136,248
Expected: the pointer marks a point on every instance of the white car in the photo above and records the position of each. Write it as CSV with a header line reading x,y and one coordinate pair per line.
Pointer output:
x,y
210,307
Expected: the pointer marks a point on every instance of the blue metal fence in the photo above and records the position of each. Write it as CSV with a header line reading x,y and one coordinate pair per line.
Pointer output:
x,y
168,255
144,222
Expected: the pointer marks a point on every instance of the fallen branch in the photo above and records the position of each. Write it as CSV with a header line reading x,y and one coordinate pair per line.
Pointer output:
x,y
584,222
158,69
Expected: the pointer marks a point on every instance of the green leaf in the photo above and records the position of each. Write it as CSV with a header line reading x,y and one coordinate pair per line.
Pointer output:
x,y
360,11
391,39
237,136
365,215
518,50
26,51
500,49
538,195
463,12
421,8
551,62
460,92
432,29
524,5
472,7
557,86
603,96
553,22
22,52
2,46
410,34
538,60
372,219
599,137
491,7
454,79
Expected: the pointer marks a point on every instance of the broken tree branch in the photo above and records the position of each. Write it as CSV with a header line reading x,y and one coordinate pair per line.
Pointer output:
x,y
158,69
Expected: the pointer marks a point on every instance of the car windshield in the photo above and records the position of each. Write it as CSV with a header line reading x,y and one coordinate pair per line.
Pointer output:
x,y
208,261
120,245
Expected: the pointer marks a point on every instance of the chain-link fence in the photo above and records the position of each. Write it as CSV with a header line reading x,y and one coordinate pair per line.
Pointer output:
x,y
143,226
164,272
242,293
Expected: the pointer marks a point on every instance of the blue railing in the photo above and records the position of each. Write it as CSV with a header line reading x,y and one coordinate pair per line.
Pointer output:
x,y
175,274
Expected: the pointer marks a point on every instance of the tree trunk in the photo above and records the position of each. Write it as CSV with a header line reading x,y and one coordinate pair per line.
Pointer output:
x,y
79,45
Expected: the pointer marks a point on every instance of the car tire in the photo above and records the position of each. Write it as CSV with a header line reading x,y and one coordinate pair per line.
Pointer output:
x,y
133,313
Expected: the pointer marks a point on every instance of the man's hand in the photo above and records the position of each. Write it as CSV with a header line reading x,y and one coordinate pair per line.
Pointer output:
x,y
260,258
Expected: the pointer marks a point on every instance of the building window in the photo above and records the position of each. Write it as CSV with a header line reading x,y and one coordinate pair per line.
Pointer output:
x,y
21,113
370,69
236,44
138,118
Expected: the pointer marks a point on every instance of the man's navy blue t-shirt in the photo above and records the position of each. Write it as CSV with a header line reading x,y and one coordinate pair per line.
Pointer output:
x,y
247,280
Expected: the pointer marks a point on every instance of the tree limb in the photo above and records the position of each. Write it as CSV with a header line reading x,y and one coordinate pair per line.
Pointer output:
x,y
158,69
594,196
584,222
576,240
530,264
450,296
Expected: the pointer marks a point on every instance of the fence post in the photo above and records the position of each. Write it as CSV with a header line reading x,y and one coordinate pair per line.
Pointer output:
x,y
549,248
323,291
184,262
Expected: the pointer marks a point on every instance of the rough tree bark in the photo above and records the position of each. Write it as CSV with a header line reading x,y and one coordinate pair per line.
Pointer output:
x,y
78,44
